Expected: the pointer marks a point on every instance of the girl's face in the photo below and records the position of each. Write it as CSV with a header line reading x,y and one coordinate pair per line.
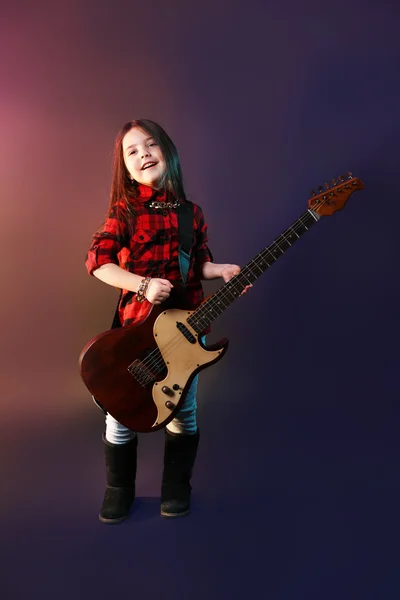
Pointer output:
x,y
143,158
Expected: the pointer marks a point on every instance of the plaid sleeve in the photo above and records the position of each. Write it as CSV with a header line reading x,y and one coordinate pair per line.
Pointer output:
x,y
201,251
107,243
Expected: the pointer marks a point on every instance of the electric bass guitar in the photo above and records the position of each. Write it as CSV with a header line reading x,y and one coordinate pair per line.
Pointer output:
x,y
141,374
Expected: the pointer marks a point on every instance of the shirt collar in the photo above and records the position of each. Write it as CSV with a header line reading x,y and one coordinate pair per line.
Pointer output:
x,y
146,193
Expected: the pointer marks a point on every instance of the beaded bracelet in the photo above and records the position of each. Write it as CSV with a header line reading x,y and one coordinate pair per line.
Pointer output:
x,y
141,293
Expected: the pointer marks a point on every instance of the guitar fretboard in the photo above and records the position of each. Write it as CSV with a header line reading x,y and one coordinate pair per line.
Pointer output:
x,y
214,306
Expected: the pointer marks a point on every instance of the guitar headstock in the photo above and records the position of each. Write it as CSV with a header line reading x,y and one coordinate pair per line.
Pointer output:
x,y
333,196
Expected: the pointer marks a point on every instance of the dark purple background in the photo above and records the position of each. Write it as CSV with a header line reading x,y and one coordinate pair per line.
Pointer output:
x,y
296,487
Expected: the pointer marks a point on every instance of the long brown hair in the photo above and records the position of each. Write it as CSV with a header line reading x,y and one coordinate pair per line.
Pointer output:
x,y
123,188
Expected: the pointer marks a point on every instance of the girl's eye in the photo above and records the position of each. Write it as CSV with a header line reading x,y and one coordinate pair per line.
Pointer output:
x,y
132,152
153,144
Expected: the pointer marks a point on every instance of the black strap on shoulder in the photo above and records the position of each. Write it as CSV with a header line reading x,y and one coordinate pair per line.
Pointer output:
x,y
185,223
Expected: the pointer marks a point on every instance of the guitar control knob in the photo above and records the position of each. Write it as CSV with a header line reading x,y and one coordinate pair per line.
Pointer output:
x,y
167,390
170,405
175,386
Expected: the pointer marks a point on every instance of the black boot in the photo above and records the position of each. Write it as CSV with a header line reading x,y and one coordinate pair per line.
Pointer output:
x,y
179,456
121,476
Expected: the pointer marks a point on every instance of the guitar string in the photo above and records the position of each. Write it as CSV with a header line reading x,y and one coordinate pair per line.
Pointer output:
x,y
155,361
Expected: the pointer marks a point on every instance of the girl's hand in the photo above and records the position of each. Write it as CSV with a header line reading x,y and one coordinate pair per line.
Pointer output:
x,y
158,290
230,271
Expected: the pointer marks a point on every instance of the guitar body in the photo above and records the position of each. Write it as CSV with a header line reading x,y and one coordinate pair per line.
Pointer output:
x,y
141,374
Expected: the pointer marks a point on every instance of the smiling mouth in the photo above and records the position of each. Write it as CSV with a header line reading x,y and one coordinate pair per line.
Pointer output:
x,y
148,165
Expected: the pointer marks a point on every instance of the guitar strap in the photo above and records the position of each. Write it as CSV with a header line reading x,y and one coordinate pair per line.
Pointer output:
x,y
185,225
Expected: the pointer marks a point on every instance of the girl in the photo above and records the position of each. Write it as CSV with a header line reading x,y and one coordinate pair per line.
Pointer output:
x,y
137,250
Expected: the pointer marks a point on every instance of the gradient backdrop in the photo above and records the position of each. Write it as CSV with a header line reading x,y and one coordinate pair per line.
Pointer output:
x,y
296,487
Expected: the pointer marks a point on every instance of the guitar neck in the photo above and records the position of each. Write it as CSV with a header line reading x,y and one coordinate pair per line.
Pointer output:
x,y
214,306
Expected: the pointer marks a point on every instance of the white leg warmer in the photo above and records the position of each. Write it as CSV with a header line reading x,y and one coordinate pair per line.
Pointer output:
x,y
117,433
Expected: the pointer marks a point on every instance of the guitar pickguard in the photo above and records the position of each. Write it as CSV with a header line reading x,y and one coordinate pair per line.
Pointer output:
x,y
182,353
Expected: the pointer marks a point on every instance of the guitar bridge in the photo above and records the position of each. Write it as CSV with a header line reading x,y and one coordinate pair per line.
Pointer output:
x,y
143,375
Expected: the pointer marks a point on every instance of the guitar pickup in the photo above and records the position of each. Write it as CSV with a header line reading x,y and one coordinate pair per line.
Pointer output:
x,y
185,331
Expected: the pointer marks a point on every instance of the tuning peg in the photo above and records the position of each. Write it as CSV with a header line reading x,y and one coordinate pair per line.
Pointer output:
x,y
349,175
320,188
327,186
334,182
342,177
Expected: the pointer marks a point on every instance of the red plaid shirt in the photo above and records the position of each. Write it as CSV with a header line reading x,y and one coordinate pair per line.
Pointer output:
x,y
152,251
